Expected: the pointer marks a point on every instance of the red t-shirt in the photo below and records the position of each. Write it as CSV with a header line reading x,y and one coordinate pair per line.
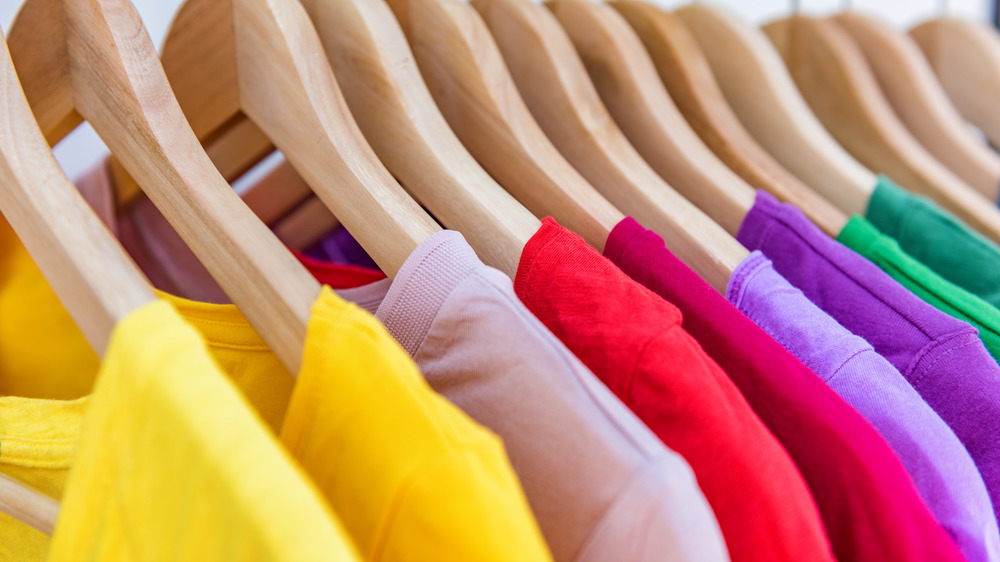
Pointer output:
x,y
870,506
633,341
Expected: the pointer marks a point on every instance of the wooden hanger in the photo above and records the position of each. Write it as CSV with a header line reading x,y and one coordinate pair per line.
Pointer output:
x,y
466,75
87,268
834,78
685,72
262,59
93,59
966,58
388,97
760,91
626,81
557,90
908,82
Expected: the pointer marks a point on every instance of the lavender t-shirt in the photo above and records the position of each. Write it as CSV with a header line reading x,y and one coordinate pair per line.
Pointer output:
x,y
940,356
940,466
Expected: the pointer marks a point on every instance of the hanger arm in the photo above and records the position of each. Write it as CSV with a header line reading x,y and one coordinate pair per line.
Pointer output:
x,y
764,97
909,84
383,87
116,83
632,92
467,77
557,90
28,505
685,72
846,97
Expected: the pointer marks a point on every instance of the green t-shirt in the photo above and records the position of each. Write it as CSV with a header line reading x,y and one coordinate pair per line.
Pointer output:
x,y
862,237
937,239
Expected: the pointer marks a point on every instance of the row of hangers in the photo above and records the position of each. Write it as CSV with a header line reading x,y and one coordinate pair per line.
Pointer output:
x,y
490,114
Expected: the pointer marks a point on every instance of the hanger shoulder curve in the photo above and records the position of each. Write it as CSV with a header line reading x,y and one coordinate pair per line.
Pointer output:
x,y
632,92
764,97
466,75
394,109
276,74
685,72
919,101
965,56
118,85
556,88
835,79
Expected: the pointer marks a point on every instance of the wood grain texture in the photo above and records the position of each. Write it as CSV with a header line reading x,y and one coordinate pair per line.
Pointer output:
x,y
685,72
965,57
555,86
916,96
89,271
764,97
836,81
632,92
116,82
281,80
466,75
27,505
392,105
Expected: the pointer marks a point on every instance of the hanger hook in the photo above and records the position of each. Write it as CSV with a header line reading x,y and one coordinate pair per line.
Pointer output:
x,y
796,6
944,7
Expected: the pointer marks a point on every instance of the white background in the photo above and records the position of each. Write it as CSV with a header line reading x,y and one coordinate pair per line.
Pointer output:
x,y
82,148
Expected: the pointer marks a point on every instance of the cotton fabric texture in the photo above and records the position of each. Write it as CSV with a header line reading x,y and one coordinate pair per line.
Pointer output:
x,y
869,504
634,342
937,239
173,464
937,461
602,487
862,237
940,356
416,477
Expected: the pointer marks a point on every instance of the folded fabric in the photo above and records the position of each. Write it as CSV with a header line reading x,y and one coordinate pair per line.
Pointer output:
x,y
871,509
633,341
940,356
174,465
937,461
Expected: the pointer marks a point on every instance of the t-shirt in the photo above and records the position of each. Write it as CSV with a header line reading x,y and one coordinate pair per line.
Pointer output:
x,y
941,357
44,432
937,239
862,237
634,342
937,461
871,509
601,485
415,478
174,465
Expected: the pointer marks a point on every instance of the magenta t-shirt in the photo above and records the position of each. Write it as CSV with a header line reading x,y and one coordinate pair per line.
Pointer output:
x,y
869,504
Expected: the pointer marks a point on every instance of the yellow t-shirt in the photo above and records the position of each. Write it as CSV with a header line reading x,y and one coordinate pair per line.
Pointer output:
x,y
459,497
172,464
411,475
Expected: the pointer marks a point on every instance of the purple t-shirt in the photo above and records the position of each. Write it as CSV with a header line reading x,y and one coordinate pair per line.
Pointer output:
x,y
942,357
940,466
869,504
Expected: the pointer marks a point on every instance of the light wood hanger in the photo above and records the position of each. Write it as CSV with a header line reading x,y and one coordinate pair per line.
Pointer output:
x,y
262,59
630,89
87,268
760,91
390,101
918,99
966,58
685,72
834,78
470,83
557,90
93,59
